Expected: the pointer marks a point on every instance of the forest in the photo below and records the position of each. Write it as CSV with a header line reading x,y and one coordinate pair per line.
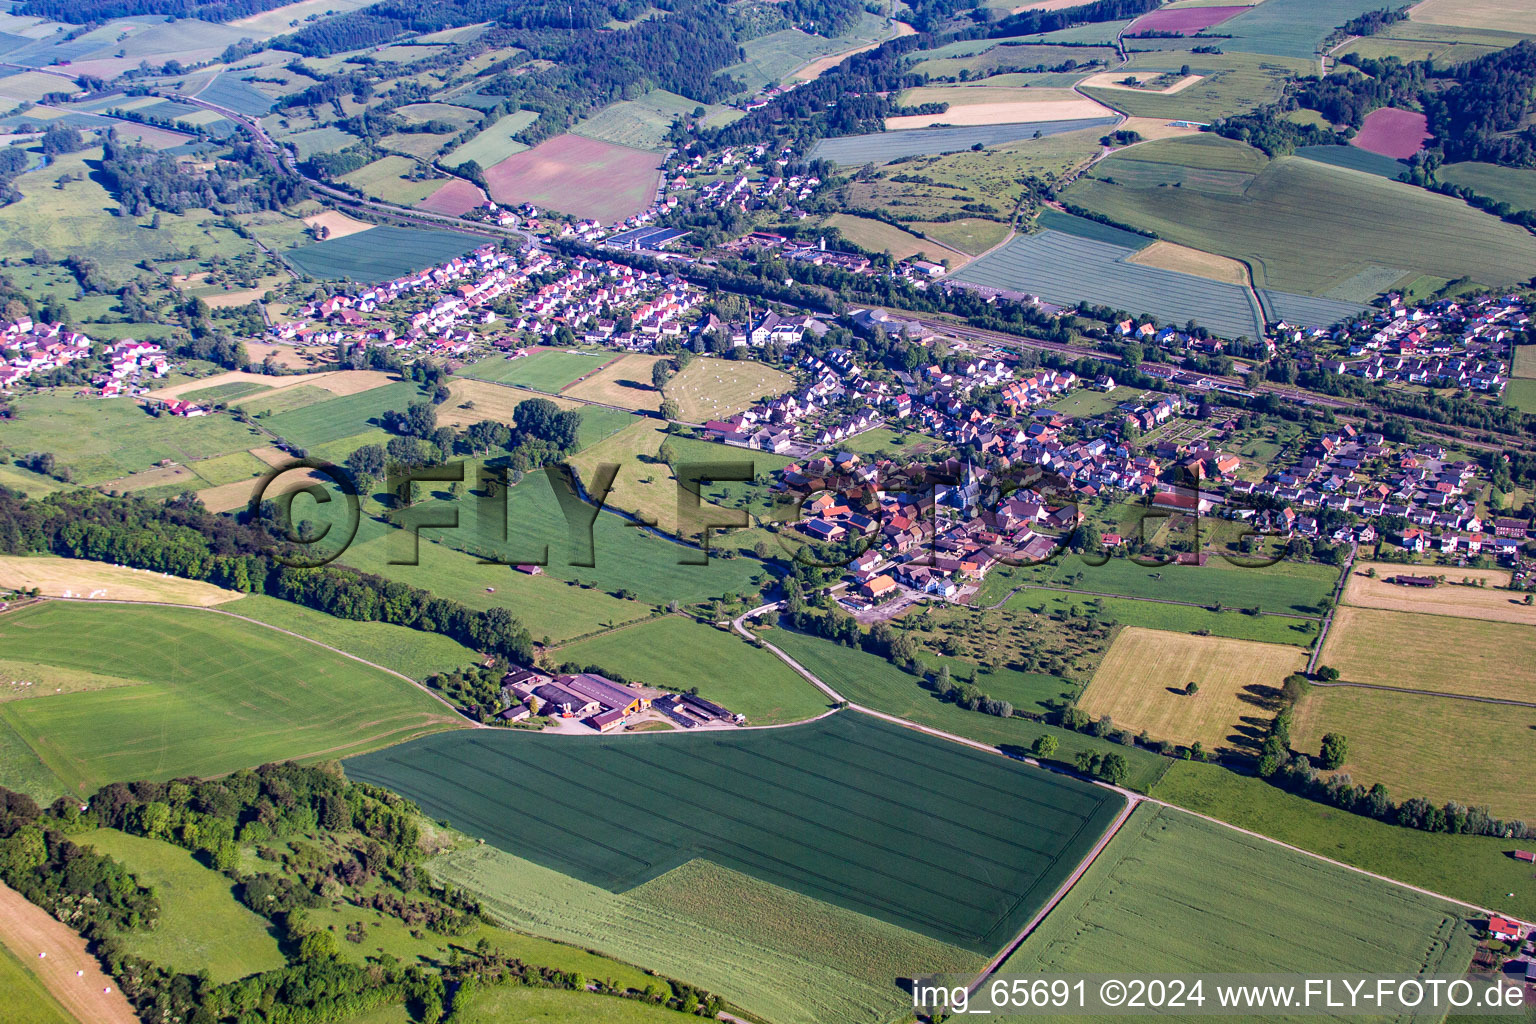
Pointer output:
x,y
146,180
82,12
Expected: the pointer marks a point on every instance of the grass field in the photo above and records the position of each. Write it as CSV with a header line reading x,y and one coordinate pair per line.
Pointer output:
x,y
1307,227
1289,28
578,176
771,58
388,178
78,577
203,927
26,1000
986,57
711,389
102,439
509,1003
644,123
875,683
381,253
1404,742
206,694
1140,680
883,147
471,401
1524,362
1173,894
970,235
545,370
724,667
1511,15
1230,83
1433,652
1478,869
1268,629
493,144
1521,394
1450,598
410,652
1513,185
878,236
340,416
1010,833
624,382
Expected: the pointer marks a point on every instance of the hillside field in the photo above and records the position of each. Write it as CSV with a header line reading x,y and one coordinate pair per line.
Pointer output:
x,y
199,694
79,577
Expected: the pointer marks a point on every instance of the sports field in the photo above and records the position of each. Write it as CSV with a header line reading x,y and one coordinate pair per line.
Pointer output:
x,y
548,370
1433,652
724,667
882,147
891,807
200,694
78,577
1452,597
1174,894
1418,746
578,176
202,926
380,253
624,382
1069,269
1140,685
712,389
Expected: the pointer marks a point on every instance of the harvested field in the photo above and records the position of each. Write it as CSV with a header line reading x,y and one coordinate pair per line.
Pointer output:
x,y
1183,20
712,389
1184,260
579,176
380,253
1507,15
1483,601
455,198
1010,833
337,224
1008,112
882,147
1394,133
286,356
230,496
27,930
1402,740
625,382
1116,80
1443,653
1525,362
337,382
1140,684
79,577
158,477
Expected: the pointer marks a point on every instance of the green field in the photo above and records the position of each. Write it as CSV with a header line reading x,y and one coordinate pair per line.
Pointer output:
x,y
1307,227
202,927
1477,869
985,57
1174,894
102,439
875,683
1231,83
26,999
381,253
1283,587
510,1003
342,415
970,235
547,370
644,123
883,147
1513,185
771,58
1291,28
389,178
494,144
1270,629
203,694
724,667
421,113
891,804
410,652
1521,394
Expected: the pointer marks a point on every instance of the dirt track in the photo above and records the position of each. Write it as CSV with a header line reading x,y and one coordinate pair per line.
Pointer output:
x,y
27,930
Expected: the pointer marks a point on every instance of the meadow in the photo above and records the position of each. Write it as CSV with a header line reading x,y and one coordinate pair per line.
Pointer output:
x,y
624,382
340,416
771,58
891,806
883,147
1140,685
517,1002
494,144
549,370
392,179
202,694
410,652
878,236
1487,14
1232,623
710,389
1513,185
471,401
1487,602
743,941
1230,83
1433,652
380,253
873,682
971,235
1478,869
1418,746
1174,894
720,664
643,123
1306,227
578,176
202,926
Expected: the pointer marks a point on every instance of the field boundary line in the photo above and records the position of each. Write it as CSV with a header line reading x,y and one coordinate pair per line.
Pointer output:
x,y
458,715
1338,599
1148,600
1429,693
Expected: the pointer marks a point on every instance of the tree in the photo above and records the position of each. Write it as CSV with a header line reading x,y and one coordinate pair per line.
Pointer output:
x,y
1045,746
1191,688
669,409
1335,750
1326,673
1114,769
366,463
661,372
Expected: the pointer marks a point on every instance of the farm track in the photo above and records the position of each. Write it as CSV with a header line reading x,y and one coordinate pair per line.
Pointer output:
x,y
1429,693
1338,597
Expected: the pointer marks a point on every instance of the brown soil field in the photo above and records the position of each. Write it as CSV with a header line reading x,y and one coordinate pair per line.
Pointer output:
x,y
238,494
625,382
149,478
1449,598
454,198
578,176
79,577
1172,256
286,356
68,971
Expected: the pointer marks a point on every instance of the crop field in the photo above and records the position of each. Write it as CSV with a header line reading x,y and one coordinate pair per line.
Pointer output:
x,y
1229,83
549,370
1140,682
711,389
1354,158
578,176
1433,652
1290,28
723,666
771,58
878,236
1485,601
233,94
1390,132
1009,835
204,694
875,683
624,382
1184,20
1404,742
1513,185
1510,15
203,927
103,439
410,652
1183,260
1175,894
77,577
320,140
493,144
341,416
883,147
741,943
1524,362
988,57
643,123
978,105
380,253
1306,227
455,197
1069,269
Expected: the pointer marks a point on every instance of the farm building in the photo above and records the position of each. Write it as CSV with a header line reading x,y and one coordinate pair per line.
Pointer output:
x,y
1504,929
